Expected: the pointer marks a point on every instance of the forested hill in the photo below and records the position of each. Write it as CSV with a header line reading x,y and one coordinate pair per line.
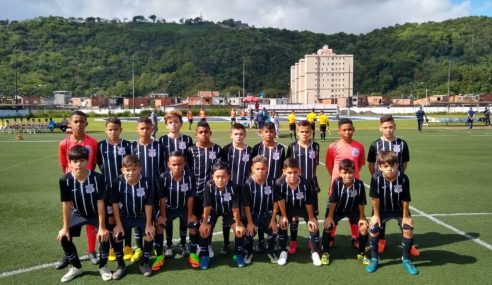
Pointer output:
x,y
92,55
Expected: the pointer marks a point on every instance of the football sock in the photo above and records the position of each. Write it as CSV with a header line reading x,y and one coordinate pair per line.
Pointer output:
x,y
382,231
169,235
182,233
147,249
362,242
249,243
71,252
128,237
354,229
406,247
238,245
373,242
333,231
261,235
103,253
159,244
91,238
203,247
193,242
138,237
293,230
282,239
226,230
118,252
271,241
325,240
314,237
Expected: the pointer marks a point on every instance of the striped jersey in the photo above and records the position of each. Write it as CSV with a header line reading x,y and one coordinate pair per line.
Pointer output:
x,y
307,157
296,198
259,198
150,159
399,146
238,161
176,192
275,157
391,194
132,198
168,144
83,195
347,199
200,161
221,201
109,158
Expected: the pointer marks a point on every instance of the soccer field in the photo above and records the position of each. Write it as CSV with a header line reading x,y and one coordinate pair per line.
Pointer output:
x,y
450,178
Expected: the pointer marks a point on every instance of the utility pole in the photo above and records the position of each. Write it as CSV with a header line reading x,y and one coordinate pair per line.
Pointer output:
x,y
244,94
15,66
133,80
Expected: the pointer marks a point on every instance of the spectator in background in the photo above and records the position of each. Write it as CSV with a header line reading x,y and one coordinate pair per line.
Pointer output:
x,y
470,118
486,114
420,114
155,120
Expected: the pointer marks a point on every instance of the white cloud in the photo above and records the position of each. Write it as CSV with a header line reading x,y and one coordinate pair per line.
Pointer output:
x,y
323,16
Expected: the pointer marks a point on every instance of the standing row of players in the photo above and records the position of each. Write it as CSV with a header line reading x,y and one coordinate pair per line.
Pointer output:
x,y
248,187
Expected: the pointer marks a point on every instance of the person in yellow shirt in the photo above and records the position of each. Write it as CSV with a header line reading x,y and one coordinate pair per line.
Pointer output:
x,y
292,125
311,117
203,115
323,123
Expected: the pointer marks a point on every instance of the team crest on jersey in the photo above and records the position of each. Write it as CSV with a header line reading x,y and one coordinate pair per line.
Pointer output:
x,y
152,152
212,155
89,189
182,145
352,193
227,197
245,157
121,151
312,154
299,195
398,189
355,152
267,190
396,148
184,187
276,155
140,192
109,210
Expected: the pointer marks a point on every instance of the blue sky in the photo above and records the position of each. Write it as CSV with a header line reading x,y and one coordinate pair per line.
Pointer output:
x,y
322,16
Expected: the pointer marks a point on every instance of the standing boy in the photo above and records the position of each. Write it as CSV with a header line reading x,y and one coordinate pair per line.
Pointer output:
x,y
200,158
323,124
295,198
221,199
155,123
291,119
306,153
189,115
420,114
345,148
78,123
311,118
388,142
258,207
347,200
390,193
82,195
135,195
470,118
110,153
238,156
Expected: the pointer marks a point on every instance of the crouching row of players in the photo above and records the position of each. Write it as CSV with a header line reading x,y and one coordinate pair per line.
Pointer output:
x,y
260,203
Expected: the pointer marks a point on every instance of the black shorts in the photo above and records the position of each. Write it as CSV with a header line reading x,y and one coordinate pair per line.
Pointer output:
x,y
313,126
133,222
173,214
296,213
77,221
227,219
198,207
322,128
190,121
387,216
292,127
353,217
262,221
233,120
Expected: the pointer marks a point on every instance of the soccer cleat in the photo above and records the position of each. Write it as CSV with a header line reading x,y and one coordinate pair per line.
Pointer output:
x,y
293,247
193,260
282,260
381,246
120,271
137,255
127,252
145,269
273,257
325,258
62,263
93,258
248,258
414,251
184,250
373,265
225,249
316,259
169,251
158,263
355,243
111,255
105,273
239,259
361,257
71,274
211,253
407,264
204,262
260,247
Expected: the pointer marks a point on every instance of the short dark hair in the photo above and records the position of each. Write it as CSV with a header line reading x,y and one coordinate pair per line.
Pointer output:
x,y
238,126
386,118
389,157
177,154
220,165
259,158
78,152
129,160
144,120
346,164
78,113
203,124
291,163
113,120
344,121
269,126
304,123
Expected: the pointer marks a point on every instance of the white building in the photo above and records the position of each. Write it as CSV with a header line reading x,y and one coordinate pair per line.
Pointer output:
x,y
322,77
